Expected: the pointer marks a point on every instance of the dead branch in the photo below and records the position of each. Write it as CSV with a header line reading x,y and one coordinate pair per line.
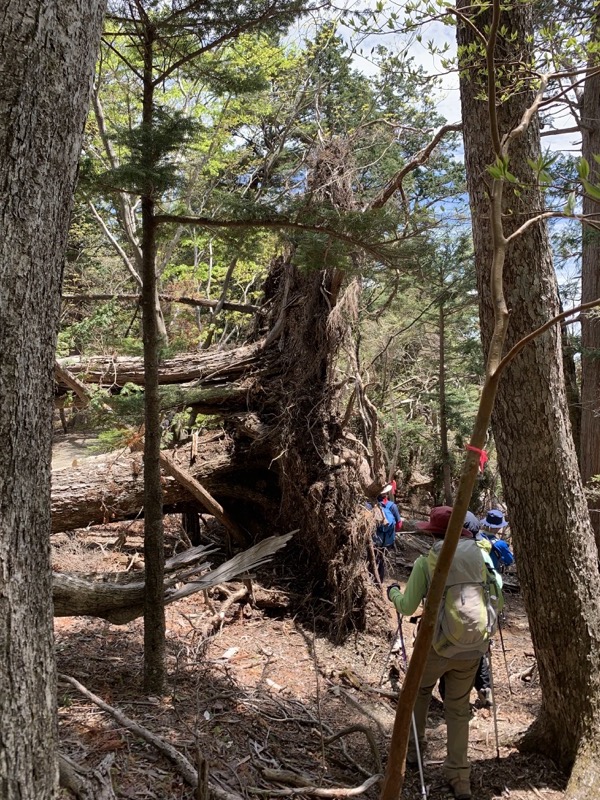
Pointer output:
x,y
87,784
181,763
215,623
368,734
195,302
318,791
198,491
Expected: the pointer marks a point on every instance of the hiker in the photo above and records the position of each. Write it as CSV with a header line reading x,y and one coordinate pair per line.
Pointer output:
x,y
388,521
483,685
501,553
472,588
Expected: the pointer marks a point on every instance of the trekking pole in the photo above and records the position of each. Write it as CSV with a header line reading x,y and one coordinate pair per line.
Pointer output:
x,y
494,710
414,721
385,666
510,691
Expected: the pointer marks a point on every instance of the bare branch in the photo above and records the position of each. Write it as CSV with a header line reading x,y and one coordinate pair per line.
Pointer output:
x,y
417,160
527,116
124,257
202,302
515,349
269,224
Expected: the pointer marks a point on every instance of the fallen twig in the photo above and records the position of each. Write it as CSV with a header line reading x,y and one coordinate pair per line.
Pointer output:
x,y
369,736
183,766
318,791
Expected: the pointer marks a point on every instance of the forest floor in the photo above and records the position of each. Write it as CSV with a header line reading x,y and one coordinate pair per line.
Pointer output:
x,y
268,690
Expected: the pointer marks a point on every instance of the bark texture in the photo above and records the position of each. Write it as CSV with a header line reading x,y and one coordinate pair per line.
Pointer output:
x,y
210,368
590,289
554,542
47,56
112,488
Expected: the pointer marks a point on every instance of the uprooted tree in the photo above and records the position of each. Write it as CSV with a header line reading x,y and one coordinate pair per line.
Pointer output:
x,y
284,455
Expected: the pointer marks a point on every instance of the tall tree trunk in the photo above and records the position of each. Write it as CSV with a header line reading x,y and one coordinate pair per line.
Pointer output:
x,y
154,547
47,56
445,452
590,288
554,542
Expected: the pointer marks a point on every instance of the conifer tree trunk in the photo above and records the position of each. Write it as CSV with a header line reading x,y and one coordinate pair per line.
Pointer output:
x,y
47,56
154,549
554,543
590,289
445,450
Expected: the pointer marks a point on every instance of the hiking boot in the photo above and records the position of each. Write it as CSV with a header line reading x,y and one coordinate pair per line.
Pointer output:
x,y
485,697
461,788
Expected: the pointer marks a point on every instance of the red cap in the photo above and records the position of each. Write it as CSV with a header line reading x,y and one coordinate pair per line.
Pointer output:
x,y
439,517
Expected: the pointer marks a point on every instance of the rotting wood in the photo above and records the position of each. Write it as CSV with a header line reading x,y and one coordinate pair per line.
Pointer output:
x,y
87,784
122,600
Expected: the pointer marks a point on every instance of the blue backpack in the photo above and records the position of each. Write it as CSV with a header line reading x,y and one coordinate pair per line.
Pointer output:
x,y
385,533
501,554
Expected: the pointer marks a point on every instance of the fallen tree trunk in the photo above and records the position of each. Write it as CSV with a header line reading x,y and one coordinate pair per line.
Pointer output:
x,y
102,490
221,366
234,471
119,597
195,302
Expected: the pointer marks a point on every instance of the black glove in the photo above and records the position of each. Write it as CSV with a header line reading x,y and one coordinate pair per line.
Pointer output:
x,y
392,586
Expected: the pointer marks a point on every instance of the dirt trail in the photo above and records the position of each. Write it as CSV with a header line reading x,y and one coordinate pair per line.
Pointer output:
x,y
70,447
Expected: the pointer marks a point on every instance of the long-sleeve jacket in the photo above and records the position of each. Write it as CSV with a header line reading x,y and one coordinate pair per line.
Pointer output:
x,y
407,602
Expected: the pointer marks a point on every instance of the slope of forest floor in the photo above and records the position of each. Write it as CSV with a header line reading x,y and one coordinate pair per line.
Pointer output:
x,y
266,692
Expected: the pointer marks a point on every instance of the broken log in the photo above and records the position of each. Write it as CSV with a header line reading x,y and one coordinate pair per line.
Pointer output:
x,y
119,597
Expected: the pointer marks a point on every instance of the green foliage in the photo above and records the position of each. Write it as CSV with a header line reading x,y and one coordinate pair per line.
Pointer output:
x,y
113,439
102,329
150,169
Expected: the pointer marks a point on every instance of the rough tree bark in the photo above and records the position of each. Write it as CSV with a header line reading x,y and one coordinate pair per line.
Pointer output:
x,y
554,543
234,469
47,56
211,368
154,338
590,288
